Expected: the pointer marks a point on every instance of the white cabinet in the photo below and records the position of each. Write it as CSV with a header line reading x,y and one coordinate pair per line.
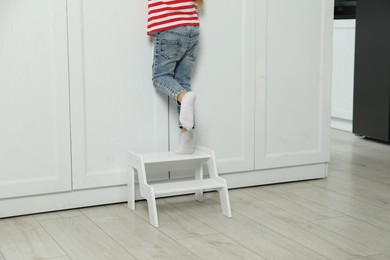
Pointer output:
x,y
293,73
114,107
34,98
78,95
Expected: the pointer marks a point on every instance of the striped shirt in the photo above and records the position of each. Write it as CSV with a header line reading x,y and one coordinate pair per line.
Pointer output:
x,y
168,14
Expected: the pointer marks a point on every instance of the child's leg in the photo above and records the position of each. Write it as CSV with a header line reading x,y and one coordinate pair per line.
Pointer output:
x,y
174,58
169,86
185,100
186,116
167,53
186,142
183,75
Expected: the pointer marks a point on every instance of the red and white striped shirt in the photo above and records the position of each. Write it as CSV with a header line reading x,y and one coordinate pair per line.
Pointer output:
x,y
168,14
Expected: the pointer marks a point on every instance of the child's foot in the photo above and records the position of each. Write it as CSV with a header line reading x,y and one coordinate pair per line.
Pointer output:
x,y
186,143
186,116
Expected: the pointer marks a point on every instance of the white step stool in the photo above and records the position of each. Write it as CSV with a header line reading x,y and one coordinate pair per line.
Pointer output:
x,y
143,163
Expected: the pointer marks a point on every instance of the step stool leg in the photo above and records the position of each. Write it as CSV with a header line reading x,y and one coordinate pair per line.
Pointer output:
x,y
225,202
131,190
152,208
199,176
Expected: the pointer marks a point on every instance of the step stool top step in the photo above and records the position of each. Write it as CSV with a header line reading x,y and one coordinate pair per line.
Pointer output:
x,y
173,157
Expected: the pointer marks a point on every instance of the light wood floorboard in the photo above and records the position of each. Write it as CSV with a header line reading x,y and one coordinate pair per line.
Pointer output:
x,y
345,216
254,236
58,258
217,247
82,239
374,257
177,224
24,238
135,234
358,231
317,238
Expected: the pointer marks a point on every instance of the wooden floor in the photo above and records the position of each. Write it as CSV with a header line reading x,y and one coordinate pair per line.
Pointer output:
x,y
345,216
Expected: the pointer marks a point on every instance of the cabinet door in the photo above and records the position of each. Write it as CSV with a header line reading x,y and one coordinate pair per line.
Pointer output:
x,y
293,81
114,107
34,98
224,83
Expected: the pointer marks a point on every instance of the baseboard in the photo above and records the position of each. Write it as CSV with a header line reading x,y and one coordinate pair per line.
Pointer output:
x,y
341,124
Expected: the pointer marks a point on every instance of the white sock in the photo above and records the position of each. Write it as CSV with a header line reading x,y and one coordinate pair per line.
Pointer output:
x,y
186,116
186,143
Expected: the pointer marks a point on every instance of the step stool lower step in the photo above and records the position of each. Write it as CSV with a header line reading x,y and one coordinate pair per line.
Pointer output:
x,y
171,188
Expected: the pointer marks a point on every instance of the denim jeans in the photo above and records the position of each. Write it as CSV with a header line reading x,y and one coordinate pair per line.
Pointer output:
x,y
174,58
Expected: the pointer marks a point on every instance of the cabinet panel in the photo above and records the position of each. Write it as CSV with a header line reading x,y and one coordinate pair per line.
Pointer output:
x,y
343,68
114,106
343,73
293,82
224,84
34,98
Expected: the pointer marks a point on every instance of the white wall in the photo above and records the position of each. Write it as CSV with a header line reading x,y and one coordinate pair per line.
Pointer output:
x,y
343,74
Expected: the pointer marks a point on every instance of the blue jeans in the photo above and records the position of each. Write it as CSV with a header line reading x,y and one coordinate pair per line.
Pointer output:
x,y
174,58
